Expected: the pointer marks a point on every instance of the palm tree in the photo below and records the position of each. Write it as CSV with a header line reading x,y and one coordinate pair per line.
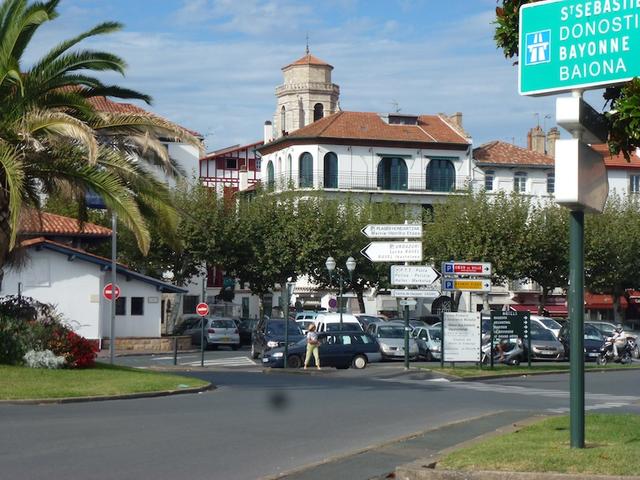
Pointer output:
x,y
54,141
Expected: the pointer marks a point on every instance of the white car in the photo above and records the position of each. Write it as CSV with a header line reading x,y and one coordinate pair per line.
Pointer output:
x,y
547,323
429,342
330,322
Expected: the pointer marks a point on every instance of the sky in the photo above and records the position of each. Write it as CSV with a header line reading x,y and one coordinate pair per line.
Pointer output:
x,y
213,65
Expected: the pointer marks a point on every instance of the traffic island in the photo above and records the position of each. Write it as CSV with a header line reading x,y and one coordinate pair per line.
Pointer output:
x,y
470,373
541,451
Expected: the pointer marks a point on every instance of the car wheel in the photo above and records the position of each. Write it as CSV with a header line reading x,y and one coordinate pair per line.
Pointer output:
x,y
429,356
601,360
254,354
294,361
636,352
359,362
626,358
235,347
515,362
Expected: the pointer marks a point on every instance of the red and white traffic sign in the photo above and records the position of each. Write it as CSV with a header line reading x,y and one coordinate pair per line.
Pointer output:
x,y
202,309
482,269
107,291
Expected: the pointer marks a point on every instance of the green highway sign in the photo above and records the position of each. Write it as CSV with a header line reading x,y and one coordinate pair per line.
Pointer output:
x,y
577,44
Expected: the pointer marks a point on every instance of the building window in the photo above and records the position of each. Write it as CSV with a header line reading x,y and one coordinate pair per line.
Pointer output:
x,y
441,175
634,184
318,111
330,170
231,163
283,120
306,170
392,174
137,305
121,306
270,175
189,303
290,167
489,177
551,182
520,182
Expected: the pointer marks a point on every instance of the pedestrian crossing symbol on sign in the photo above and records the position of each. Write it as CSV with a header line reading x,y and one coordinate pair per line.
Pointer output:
x,y
538,47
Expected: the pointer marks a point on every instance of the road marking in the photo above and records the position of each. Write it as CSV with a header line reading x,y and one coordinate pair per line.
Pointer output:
x,y
225,362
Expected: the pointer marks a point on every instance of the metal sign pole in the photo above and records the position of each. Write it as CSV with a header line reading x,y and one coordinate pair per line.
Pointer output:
x,y
442,339
112,323
528,317
491,344
576,314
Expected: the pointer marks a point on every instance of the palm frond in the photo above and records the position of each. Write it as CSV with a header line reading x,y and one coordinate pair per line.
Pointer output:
x,y
13,176
117,92
49,8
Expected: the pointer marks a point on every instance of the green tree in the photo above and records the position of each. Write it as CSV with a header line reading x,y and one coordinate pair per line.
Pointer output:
x,y
623,100
53,141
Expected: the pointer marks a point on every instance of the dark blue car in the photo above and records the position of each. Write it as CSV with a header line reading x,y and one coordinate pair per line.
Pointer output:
x,y
337,349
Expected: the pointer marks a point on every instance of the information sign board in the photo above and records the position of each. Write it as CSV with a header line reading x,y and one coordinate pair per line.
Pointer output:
x,y
393,231
393,251
413,275
414,293
478,269
466,285
461,336
510,325
577,44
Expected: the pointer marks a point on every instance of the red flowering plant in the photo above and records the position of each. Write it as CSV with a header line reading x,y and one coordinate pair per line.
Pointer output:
x,y
77,351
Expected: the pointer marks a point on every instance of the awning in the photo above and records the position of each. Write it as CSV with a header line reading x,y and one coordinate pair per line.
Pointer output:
x,y
599,301
523,308
556,310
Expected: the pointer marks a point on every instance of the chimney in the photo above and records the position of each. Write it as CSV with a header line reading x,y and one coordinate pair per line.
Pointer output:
x,y
456,118
552,137
536,140
268,131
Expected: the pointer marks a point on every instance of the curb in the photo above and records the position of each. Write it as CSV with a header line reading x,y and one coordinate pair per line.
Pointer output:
x,y
130,396
125,353
455,378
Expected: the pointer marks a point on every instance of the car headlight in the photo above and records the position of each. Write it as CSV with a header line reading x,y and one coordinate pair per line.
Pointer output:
x,y
278,355
384,347
436,348
272,344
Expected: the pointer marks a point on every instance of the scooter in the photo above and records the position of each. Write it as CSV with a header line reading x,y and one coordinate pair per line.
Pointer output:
x,y
512,353
624,353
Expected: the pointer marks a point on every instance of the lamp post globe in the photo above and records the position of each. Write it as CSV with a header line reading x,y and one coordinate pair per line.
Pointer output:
x,y
330,264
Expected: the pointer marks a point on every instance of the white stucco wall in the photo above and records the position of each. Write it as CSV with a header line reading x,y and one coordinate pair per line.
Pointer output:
x,y
536,183
75,287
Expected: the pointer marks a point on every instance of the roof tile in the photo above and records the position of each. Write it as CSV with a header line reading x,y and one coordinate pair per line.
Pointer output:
x,y
43,223
502,153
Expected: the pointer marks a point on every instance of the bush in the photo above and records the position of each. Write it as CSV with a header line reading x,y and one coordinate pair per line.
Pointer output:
x,y
43,359
77,351
14,339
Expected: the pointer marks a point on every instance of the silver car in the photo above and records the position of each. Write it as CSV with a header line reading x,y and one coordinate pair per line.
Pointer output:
x,y
391,339
545,345
217,331
429,342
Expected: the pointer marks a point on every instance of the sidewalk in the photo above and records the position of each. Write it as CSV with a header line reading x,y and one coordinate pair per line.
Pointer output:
x,y
378,462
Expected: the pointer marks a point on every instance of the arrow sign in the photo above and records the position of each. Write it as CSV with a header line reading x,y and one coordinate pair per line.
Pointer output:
x,y
467,285
415,293
393,231
413,275
466,268
393,251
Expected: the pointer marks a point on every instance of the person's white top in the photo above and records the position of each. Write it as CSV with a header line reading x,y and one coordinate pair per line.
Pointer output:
x,y
312,337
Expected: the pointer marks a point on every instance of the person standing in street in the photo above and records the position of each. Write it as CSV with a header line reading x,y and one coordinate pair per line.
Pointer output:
x,y
312,347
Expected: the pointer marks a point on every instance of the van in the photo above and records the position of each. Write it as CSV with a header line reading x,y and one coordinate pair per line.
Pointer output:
x,y
305,318
330,322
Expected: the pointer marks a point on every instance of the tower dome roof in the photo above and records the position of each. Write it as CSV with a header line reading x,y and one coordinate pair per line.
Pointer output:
x,y
308,59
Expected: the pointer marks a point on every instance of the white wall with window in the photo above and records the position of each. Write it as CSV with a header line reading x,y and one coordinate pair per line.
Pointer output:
x,y
535,182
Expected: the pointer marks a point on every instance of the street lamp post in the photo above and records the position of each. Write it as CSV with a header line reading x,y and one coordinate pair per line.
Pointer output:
x,y
331,266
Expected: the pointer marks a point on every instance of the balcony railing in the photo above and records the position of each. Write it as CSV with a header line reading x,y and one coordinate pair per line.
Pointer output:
x,y
371,182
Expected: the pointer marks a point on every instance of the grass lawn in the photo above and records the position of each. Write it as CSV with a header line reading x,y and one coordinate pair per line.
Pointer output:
x,y
465,371
22,383
612,448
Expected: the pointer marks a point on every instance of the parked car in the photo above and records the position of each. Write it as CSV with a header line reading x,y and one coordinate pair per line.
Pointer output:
x,y
337,349
429,342
390,336
187,322
593,340
305,319
413,322
217,331
246,327
270,333
330,322
546,322
544,344
365,319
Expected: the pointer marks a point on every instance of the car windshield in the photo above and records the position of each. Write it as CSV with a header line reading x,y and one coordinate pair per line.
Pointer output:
x,y
391,332
335,327
223,324
604,328
277,328
434,333
550,323
542,334
592,333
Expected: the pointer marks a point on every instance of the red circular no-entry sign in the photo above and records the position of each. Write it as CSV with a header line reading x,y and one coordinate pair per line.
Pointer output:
x,y
202,309
107,291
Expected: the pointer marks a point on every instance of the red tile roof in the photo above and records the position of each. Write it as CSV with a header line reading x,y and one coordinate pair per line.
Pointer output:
x,y
308,59
616,161
502,153
32,223
369,126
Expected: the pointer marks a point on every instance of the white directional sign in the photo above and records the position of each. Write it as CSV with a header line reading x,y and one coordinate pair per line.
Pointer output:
x,y
479,269
466,285
413,275
461,337
408,303
399,293
393,231
393,251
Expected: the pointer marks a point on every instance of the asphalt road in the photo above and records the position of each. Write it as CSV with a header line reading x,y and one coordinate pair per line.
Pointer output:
x,y
258,425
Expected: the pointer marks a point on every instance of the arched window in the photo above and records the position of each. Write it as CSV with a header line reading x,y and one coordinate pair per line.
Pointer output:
x,y
551,182
489,177
330,170
392,174
290,167
520,182
318,111
283,119
270,175
441,176
305,170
